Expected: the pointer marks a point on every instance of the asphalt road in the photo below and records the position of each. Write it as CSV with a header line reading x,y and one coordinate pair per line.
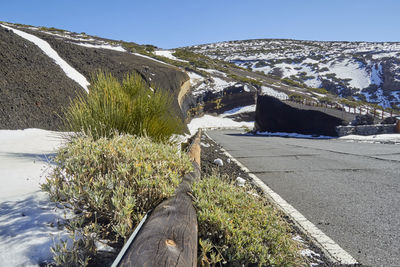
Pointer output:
x,y
351,191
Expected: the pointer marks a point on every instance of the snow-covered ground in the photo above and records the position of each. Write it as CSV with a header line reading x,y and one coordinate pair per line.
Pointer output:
x,y
208,121
168,54
238,110
29,222
347,65
379,138
49,51
102,46
271,92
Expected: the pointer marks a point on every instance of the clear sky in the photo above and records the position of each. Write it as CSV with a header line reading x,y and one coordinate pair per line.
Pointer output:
x,y
176,23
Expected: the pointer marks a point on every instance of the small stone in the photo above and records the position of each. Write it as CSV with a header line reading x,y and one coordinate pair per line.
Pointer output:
x,y
219,162
204,144
228,160
240,181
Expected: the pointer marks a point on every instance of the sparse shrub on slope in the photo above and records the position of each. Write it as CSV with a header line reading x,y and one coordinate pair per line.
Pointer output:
x,y
240,229
111,184
130,107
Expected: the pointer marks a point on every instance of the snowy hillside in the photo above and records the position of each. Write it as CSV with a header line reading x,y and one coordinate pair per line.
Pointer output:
x,y
366,71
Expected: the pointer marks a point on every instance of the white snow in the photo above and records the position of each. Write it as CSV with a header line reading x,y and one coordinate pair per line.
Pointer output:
x,y
46,48
195,78
380,138
28,220
200,85
102,46
271,92
348,69
208,121
238,110
308,253
159,61
168,54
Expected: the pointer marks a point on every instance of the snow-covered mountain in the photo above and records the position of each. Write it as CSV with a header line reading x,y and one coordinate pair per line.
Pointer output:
x,y
366,71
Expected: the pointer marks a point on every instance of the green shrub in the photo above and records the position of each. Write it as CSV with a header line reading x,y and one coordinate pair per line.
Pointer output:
x,y
130,107
292,83
245,79
238,228
318,90
112,183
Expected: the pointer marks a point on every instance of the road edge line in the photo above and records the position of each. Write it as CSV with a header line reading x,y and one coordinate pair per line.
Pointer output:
x,y
331,249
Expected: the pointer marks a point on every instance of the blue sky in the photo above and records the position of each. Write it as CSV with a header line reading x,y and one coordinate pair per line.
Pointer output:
x,y
176,23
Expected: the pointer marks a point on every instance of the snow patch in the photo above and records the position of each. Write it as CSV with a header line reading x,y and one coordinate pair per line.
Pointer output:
x,y
102,46
168,54
208,121
238,110
271,92
28,220
380,138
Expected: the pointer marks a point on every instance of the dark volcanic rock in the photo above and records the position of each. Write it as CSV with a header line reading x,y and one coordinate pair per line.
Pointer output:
x,y
273,115
89,60
220,102
389,120
33,88
366,119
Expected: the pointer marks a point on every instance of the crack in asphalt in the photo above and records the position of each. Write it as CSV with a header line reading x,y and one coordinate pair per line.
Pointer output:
x,y
347,153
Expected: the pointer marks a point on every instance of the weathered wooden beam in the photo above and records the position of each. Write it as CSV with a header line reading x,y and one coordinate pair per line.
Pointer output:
x,y
169,236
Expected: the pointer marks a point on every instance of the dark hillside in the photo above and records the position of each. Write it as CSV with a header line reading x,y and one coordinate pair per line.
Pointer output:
x,y
88,60
33,88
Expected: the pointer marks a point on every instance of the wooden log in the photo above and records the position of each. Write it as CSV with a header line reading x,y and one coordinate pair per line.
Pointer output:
x,y
397,129
169,236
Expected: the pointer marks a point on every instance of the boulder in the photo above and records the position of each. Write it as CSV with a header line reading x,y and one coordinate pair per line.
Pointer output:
x,y
273,115
366,119
389,120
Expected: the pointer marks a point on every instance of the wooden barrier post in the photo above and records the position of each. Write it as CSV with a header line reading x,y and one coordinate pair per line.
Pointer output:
x,y
169,236
397,129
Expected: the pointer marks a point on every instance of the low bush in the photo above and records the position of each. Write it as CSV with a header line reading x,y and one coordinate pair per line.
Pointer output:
x,y
318,90
245,80
292,83
131,107
111,184
239,228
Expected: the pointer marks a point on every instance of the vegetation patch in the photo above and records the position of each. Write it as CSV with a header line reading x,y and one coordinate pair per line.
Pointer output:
x,y
131,107
239,228
245,80
110,184
318,90
292,83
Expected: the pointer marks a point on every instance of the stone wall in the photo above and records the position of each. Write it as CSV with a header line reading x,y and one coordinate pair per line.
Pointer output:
x,y
366,129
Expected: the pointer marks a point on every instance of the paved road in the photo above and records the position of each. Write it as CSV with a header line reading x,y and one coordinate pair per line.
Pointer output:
x,y
351,191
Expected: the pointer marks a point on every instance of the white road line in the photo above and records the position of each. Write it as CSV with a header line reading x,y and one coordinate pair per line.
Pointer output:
x,y
331,249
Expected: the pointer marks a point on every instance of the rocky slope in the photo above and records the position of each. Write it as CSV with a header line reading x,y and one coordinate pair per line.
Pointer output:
x,y
34,89
365,71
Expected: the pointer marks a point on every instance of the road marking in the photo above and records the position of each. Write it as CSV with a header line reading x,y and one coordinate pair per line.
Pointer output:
x,y
331,249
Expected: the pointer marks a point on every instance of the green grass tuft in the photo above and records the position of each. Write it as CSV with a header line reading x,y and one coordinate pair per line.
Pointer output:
x,y
240,229
131,107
